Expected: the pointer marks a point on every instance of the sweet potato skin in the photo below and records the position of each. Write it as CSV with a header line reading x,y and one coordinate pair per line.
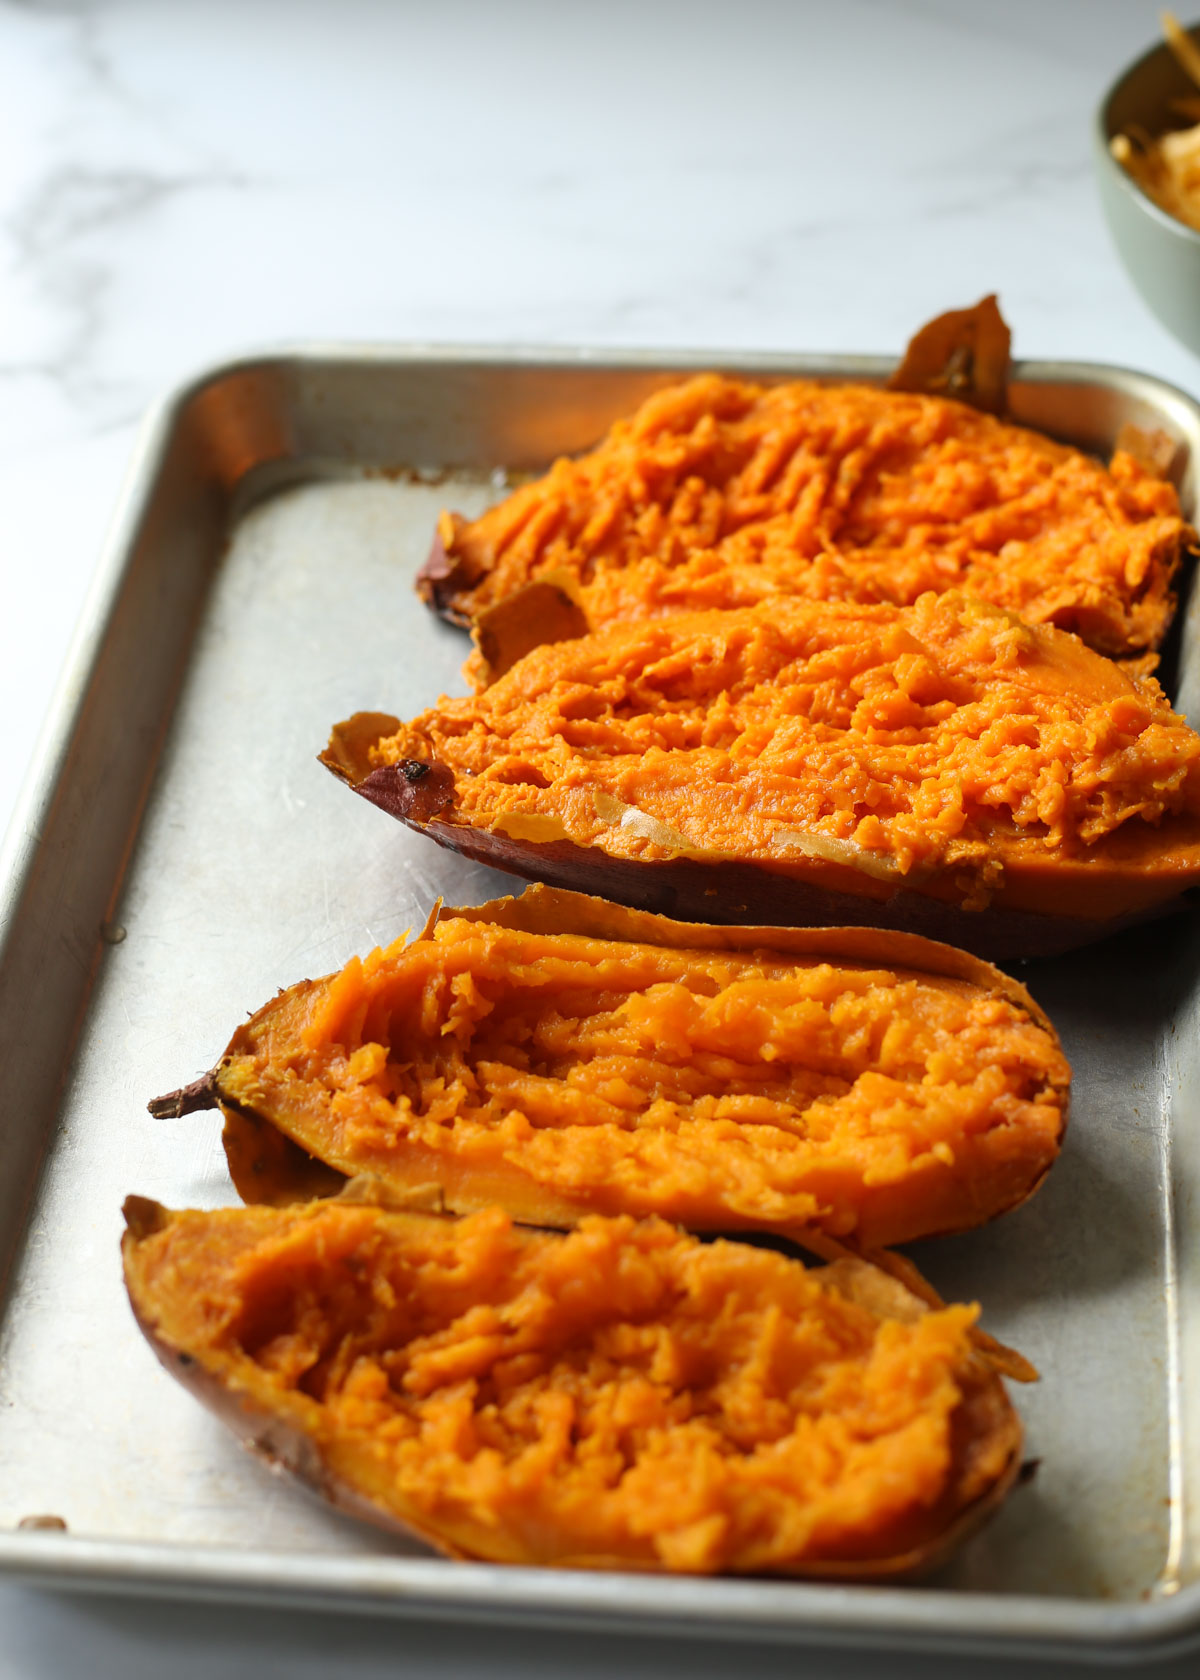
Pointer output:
x,y
984,1423
1095,898
278,1443
962,354
267,1166
718,493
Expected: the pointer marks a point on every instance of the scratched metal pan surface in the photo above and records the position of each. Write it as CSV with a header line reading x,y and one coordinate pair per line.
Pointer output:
x,y
179,855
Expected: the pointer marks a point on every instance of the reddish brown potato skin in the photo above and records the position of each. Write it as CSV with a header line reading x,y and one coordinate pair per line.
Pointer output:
x,y
962,354
983,1413
437,584
701,890
267,1166
277,1443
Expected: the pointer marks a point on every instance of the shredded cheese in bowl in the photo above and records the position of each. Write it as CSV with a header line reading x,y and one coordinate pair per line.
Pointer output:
x,y
1167,167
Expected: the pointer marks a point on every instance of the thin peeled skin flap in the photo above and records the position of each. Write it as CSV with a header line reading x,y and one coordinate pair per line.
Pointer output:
x,y
621,1397
945,762
563,1056
721,493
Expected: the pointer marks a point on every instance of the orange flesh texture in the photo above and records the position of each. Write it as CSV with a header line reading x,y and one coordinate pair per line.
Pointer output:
x,y
561,1074
947,747
718,493
623,1394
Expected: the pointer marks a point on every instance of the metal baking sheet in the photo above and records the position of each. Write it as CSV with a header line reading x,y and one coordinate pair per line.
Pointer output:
x,y
179,855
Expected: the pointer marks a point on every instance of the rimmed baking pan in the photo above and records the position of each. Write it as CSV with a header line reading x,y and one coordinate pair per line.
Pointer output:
x,y
178,854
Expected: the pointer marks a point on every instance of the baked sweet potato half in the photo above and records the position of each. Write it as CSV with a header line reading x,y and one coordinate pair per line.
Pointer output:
x,y
720,492
561,1056
943,767
622,1397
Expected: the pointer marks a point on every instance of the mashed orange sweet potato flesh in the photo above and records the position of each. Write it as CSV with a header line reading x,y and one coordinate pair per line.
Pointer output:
x,y
719,493
943,739
620,1395
561,1074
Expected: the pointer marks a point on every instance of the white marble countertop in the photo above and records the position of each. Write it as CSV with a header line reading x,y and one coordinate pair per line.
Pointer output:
x,y
179,182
